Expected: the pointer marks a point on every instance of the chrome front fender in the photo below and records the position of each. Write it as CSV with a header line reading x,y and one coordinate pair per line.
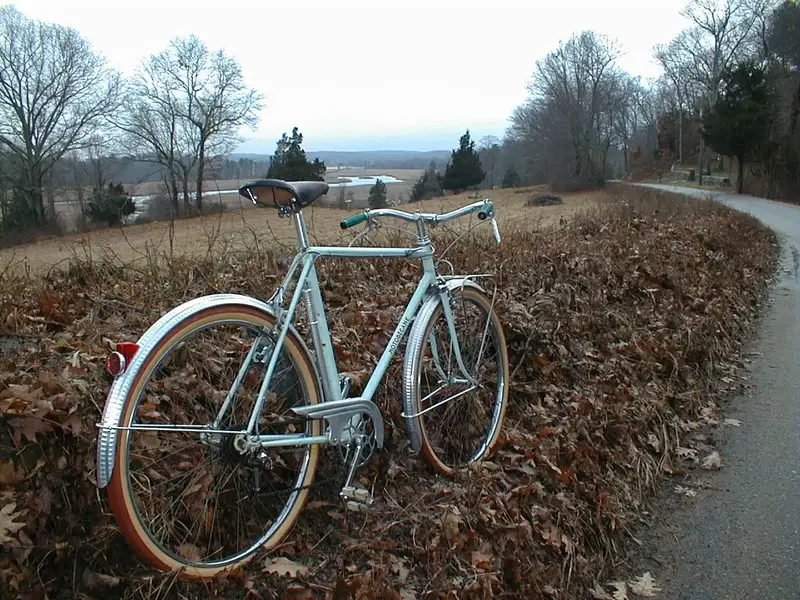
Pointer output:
x,y
108,437
415,342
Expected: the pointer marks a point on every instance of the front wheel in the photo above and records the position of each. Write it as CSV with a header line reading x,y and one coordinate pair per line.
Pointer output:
x,y
198,502
456,418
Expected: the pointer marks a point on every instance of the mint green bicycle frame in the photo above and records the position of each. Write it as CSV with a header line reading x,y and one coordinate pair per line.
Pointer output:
x,y
308,287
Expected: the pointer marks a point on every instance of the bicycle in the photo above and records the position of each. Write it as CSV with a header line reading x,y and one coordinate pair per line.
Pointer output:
x,y
285,401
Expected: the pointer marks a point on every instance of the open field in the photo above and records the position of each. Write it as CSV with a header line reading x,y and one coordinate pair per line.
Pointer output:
x,y
249,226
396,191
225,191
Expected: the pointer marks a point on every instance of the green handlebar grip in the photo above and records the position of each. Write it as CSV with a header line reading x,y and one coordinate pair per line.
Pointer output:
x,y
354,220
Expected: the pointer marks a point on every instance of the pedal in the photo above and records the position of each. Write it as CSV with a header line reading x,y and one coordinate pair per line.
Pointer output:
x,y
354,506
356,499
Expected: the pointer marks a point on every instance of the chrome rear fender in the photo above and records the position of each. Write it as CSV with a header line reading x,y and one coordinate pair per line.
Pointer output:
x,y
108,437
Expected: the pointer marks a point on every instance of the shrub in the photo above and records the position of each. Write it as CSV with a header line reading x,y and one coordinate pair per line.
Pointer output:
x,y
544,200
377,195
511,178
429,185
110,205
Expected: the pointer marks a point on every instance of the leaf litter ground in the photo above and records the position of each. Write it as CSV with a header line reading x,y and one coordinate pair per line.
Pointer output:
x,y
623,328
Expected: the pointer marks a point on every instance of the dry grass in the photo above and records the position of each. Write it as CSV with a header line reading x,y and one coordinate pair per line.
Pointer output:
x,y
242,229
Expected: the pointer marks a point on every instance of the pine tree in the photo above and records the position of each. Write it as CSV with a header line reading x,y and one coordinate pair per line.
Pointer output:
x,y
739,123
110,205
290,163
377,195
464,169
429,185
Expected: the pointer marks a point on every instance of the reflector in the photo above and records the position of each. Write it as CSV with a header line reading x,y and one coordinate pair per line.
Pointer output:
x,y
115,364
118,361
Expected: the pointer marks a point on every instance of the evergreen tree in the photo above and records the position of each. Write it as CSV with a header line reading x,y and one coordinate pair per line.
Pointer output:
x,y
110,205
429,185
739,123
377,195
464,169
511,178
290,163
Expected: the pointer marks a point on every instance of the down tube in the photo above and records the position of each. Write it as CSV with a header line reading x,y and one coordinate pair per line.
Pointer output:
x,y
408,315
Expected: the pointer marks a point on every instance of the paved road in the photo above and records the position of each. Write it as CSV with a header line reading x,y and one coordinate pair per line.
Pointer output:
x,y
741,540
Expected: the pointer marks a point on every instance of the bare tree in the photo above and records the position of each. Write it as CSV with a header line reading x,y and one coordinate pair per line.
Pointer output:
x,y
567,121
722,32
151,123
489,151
54,94
675,62
213,99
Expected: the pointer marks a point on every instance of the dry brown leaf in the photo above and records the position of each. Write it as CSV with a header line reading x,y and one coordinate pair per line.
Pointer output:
x,y
399,567
685,491
644,586
552,535
8,522
732,422
189,551
712,461
481,560
96,580
283,566
620,590
9,475
28,427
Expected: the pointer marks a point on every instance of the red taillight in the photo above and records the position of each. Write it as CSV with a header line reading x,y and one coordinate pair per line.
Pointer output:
x,y
118,361
115,364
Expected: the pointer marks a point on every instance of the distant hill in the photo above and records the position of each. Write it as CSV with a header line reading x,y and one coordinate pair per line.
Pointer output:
x,y
127,170
375,159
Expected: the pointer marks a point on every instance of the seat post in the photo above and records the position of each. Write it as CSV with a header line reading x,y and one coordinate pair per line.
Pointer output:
x,y
300,228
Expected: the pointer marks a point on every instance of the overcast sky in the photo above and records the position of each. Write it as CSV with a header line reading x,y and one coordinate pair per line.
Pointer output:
x,y
359,75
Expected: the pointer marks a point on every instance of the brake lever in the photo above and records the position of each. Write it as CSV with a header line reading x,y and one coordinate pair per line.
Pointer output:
x,y
495,230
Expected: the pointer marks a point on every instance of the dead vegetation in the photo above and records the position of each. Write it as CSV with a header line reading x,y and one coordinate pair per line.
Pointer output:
x,y
623,328
239,229
544,200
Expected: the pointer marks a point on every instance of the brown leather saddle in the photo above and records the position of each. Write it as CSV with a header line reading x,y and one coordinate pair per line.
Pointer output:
x,y
277,193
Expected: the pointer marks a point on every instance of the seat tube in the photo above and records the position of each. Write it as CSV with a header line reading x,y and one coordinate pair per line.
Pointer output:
x,y
300,229
317,320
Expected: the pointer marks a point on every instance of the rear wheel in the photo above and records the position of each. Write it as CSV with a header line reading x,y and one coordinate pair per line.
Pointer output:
x,y
460,421
194,501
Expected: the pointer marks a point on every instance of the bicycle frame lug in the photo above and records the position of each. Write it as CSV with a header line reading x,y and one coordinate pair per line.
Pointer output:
x,y
345,381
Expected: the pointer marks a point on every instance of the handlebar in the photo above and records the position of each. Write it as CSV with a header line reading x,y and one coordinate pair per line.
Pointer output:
x,y
484,208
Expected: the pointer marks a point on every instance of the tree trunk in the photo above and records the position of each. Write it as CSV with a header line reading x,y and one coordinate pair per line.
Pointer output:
x,y
201,157
51,199
174,191
185,186
625,159
33,181
740,181
81,202
680,135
